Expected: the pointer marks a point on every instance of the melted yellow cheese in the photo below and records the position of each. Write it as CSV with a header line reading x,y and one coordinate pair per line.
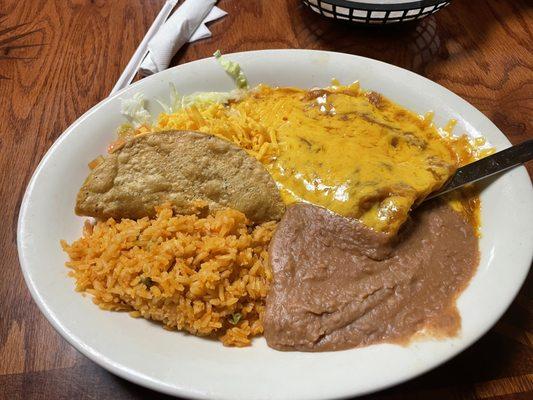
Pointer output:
x,y
353,152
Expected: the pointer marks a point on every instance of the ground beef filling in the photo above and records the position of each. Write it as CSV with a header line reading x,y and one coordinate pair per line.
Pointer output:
x,y
339,284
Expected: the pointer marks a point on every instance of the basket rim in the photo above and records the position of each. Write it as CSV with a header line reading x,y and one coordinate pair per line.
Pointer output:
x,y
408,5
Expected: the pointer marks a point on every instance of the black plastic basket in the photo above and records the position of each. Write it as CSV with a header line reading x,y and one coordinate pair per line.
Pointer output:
x,y
367,13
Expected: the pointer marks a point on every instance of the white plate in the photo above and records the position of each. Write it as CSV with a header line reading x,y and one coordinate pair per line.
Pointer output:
x,y
185,365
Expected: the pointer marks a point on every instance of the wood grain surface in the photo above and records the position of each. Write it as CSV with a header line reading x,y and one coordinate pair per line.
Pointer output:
x,y
60,57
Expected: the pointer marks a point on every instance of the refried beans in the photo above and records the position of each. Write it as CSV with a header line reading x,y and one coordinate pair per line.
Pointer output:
x,y
339,284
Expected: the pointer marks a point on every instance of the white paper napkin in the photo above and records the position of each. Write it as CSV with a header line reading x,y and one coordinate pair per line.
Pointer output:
x,y
202,32
187,24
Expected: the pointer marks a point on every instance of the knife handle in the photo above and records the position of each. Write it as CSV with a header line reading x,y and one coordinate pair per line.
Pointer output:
x,y
488,166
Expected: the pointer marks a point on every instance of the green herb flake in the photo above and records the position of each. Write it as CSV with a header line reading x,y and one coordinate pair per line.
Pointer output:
x,y
235,318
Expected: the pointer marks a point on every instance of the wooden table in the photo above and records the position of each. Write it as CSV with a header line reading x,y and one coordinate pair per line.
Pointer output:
x,y
60,57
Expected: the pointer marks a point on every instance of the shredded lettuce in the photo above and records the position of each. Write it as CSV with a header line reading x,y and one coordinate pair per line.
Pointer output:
x,y
134,109
210,97
232,69
174,101
138,115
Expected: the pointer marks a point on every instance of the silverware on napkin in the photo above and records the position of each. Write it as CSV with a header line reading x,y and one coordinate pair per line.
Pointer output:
x,y
164,39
